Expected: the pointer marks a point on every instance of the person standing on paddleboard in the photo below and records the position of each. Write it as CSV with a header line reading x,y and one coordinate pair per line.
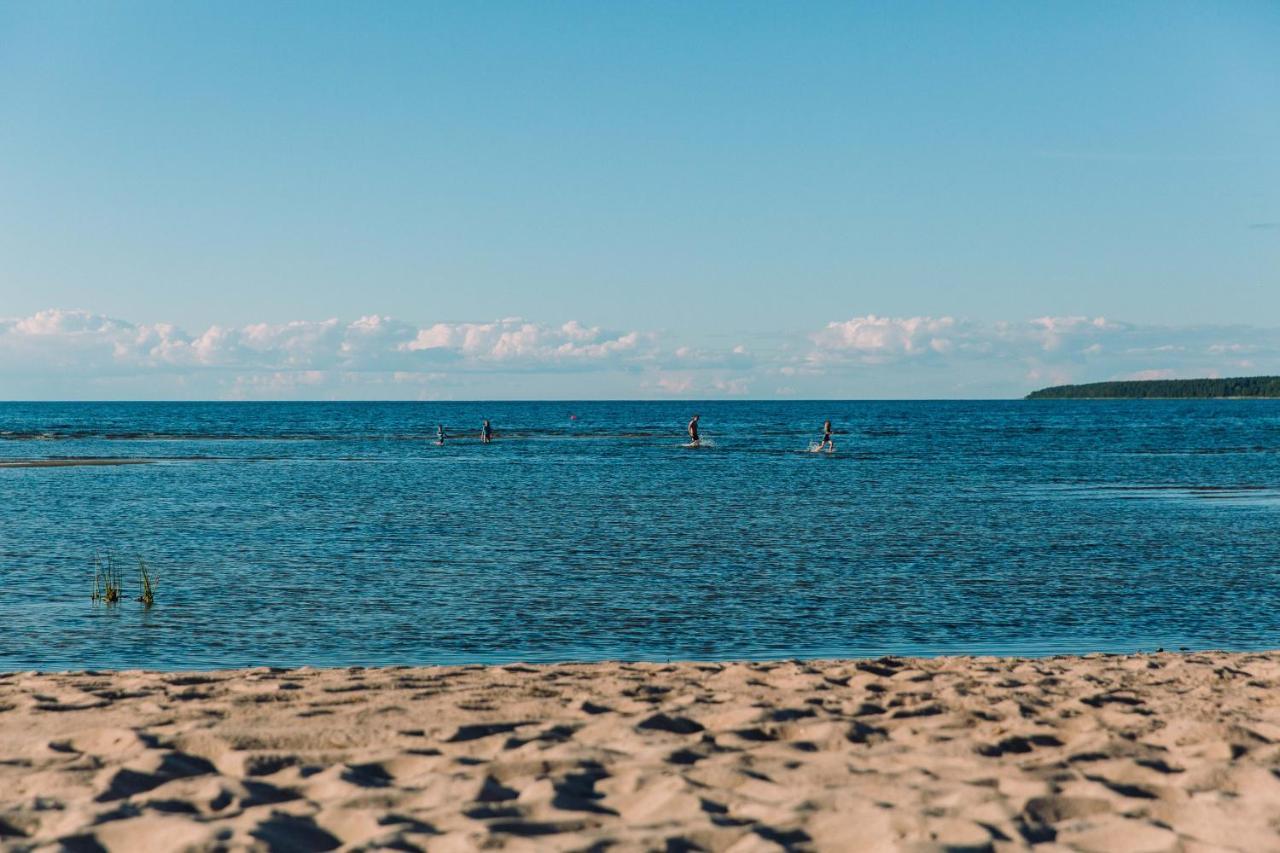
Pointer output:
x,y
693,431
486,433
439,433
826,437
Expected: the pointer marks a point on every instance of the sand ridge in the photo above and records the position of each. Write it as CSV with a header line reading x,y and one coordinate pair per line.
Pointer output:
x,y
1128,753
72,462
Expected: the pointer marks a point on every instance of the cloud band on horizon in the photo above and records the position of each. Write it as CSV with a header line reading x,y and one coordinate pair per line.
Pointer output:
x,y
70,354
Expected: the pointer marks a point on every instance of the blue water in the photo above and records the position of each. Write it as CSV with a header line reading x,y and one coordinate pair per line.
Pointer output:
x,y
334,534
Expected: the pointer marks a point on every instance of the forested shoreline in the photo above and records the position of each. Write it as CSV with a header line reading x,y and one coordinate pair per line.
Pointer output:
x,y
1243,386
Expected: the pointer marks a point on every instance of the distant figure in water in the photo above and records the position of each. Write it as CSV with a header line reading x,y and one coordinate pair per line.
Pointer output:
x,y
693,431
826,442
439,433
486,433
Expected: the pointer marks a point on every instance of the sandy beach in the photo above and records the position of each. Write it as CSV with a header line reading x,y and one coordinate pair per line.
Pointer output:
x,y
1176,752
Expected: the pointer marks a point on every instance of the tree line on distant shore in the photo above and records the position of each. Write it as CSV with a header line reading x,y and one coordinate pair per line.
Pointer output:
x,y
1241,386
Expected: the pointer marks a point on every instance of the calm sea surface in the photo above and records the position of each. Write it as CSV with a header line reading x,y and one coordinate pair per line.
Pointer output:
x,y
333,534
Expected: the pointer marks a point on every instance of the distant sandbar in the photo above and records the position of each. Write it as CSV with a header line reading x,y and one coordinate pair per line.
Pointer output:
x,y
70,462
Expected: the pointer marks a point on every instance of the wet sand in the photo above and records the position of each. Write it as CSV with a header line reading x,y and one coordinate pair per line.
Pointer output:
x,y
1127,753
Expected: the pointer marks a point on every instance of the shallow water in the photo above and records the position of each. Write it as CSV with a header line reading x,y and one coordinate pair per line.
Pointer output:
x,y
334,534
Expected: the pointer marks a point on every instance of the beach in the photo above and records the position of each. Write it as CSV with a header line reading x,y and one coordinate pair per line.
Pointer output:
x,y
1141,752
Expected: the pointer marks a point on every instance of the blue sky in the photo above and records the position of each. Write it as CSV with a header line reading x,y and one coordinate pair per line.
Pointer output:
x,y
728,181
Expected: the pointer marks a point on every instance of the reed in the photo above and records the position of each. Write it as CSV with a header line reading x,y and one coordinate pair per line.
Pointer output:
x,y
107,580
146,582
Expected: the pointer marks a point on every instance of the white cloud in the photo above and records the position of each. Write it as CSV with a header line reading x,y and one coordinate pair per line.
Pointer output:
x,y
329,356
1043,349
674,385
575,331
77,354
514,340
737,387
368,343
1156,373
1053,330
881,336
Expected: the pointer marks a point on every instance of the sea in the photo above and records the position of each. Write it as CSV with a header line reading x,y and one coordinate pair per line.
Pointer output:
x,y
341,534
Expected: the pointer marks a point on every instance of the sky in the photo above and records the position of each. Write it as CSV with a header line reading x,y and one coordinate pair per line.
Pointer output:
x,y
394,200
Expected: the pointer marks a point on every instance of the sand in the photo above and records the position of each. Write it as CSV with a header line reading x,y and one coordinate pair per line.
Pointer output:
x,y
1127,753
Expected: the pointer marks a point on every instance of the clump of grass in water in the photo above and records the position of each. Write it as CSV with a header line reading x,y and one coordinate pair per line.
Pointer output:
x,y
107,581
146,581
